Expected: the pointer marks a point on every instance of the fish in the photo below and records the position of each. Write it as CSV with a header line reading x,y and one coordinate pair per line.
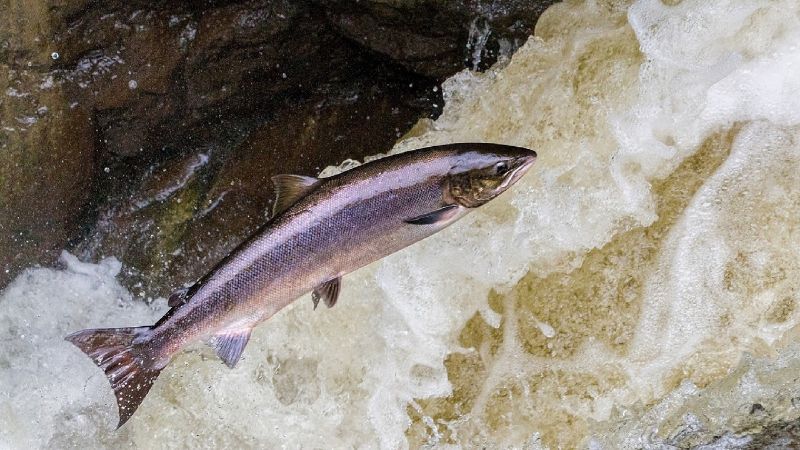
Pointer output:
x,y
320,230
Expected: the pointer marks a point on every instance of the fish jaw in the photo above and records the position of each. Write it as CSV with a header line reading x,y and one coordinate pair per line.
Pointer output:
x,y
525,163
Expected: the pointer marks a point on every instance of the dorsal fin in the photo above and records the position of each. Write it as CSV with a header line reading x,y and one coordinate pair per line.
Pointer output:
x,y
328,292
289,189
230,344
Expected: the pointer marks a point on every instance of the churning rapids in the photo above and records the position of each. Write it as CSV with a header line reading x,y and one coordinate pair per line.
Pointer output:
x,y
638,287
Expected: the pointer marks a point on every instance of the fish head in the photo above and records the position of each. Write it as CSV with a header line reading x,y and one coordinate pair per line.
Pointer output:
x,y
483,171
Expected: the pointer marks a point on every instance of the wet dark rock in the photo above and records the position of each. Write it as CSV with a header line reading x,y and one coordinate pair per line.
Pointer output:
x,y
149,130
781,434
47,151
44,185
437,37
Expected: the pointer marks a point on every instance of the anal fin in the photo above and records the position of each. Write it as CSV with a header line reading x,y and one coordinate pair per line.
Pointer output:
x,y
230,344
328,292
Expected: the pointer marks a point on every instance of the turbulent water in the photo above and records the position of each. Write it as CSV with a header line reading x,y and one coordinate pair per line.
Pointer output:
x,y
638,288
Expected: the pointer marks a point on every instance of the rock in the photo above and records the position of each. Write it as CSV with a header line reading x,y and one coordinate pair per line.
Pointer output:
x,y
46,165
135,92
437,38
781,434
95,100
46,142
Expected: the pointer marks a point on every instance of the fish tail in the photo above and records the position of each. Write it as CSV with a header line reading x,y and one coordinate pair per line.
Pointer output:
x,y
115,351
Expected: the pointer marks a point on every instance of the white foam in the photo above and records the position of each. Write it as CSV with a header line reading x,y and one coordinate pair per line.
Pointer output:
x,y
48,387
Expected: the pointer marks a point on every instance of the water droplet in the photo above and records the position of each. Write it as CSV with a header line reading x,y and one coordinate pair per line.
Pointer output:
x,y
55,55
106,170
133,84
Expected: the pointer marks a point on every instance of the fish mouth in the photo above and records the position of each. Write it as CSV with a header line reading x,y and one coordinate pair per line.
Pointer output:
x,y
527,162
523,164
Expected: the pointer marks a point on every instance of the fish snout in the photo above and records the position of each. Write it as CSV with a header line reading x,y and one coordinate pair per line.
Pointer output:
x,y
527,161
523,161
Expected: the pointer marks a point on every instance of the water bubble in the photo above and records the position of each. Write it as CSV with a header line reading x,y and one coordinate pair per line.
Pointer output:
x,y
133,84
55,55
106,169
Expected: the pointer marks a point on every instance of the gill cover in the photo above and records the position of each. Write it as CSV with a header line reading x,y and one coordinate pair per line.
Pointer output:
x,y
485,179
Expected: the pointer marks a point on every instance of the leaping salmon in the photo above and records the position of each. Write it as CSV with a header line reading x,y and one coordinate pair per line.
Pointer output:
x,y
320,230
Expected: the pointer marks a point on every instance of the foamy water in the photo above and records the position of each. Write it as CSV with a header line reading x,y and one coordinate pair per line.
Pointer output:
x,y
638,287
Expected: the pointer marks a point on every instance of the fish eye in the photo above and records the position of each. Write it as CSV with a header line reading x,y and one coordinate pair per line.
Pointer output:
x,y
501,168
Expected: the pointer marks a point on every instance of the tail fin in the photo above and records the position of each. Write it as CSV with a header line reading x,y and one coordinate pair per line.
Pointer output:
x,y
113,350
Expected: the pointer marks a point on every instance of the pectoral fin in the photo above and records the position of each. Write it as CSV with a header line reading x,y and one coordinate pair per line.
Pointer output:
x,y
289,189
230,344
440,215
328,292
